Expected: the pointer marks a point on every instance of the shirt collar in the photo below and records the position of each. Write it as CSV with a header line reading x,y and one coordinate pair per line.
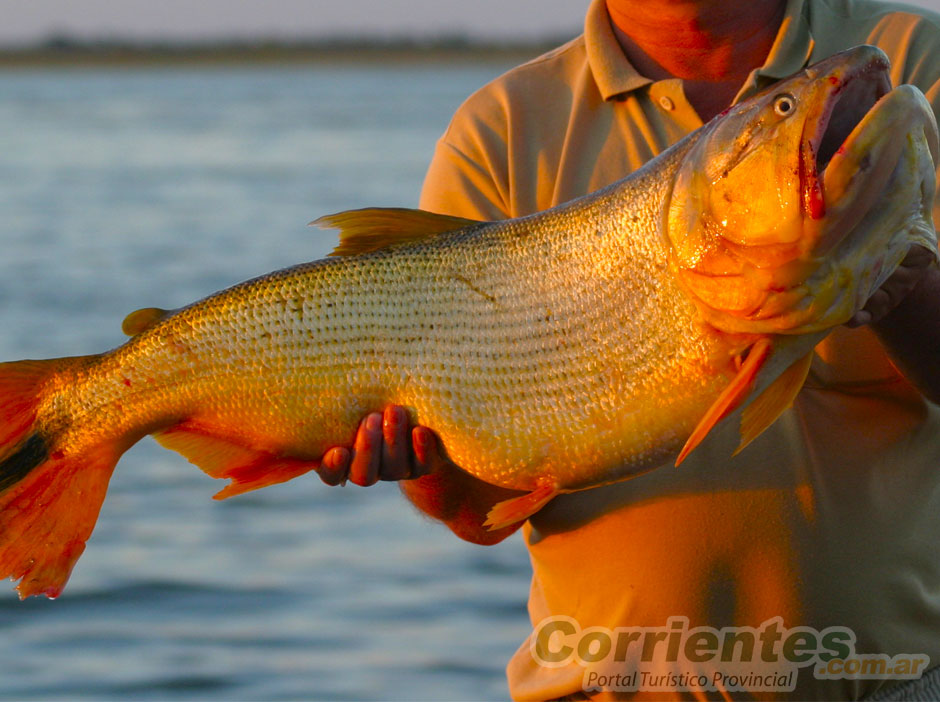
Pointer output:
x,y
615,76
790,52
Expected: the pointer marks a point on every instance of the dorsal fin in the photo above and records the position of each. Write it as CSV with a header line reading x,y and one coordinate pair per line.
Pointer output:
x,y
374,228
142,319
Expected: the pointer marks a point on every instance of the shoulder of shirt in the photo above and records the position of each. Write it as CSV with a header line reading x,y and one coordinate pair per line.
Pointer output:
x,y
553,62
494,101
910,35
876,9
873,13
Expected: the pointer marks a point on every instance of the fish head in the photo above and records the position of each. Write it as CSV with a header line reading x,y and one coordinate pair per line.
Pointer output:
x,y
792,207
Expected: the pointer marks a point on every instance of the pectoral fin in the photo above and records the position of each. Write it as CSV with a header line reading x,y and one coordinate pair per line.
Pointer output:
x,y
771,403
517,509
374,228
730,398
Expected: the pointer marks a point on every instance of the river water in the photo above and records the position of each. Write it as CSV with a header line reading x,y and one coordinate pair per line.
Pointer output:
x,y
127,188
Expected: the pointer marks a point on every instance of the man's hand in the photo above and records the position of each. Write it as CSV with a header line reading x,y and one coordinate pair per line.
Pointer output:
x,y
901,283
905,316
383,450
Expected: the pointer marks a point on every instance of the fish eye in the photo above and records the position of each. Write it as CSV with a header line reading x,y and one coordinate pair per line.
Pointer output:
x,y
784,104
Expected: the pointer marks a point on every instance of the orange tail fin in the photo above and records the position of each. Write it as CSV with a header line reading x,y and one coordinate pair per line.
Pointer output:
x,y
49,500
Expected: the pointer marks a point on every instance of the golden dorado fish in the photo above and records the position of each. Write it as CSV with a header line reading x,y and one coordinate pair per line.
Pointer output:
x,y
551,353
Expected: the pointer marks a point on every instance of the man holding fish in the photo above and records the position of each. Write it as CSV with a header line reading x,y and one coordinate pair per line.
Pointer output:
x,y
830,518
557,354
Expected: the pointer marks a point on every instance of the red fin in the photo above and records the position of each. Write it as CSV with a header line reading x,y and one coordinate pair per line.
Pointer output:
x,y
46,518
518,509
221,457
49,501
730,398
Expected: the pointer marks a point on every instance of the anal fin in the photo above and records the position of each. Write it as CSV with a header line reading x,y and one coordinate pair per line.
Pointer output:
x,y
730,397
221,457
771,403
518,509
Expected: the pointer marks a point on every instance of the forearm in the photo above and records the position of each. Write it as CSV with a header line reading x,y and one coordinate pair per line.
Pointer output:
x,y
460,501
911,335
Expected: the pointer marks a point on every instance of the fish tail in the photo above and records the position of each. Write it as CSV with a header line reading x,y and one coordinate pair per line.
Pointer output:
x,y
49,498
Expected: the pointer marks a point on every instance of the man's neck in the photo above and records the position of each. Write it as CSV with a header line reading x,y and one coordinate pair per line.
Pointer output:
x,y
711,44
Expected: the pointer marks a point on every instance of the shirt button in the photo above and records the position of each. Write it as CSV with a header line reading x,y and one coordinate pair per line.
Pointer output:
x,y
666,103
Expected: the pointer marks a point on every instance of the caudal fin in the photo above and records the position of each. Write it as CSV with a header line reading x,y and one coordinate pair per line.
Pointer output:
x,y
49,499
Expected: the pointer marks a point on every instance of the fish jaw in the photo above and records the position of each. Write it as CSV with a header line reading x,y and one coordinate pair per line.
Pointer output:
x,y
792,235
853,85
881,183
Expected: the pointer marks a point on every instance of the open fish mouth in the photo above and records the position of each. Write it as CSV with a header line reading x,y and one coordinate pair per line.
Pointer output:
x,y
870,161
855,144
854,93
852,97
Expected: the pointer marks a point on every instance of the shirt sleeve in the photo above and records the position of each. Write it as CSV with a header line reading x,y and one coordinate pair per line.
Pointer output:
x,y
469,173
912,40
456,184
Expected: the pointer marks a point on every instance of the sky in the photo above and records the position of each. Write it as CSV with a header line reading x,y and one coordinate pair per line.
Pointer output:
x,y
31,20
26,21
